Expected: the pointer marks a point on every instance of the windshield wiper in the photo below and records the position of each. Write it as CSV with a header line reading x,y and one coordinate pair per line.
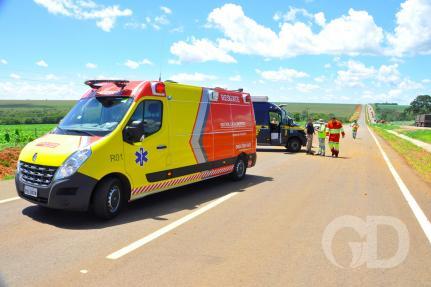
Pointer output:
x,y
77,131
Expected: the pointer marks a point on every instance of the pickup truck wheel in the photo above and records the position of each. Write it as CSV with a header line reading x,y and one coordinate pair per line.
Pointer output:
x,y
293,145
239,169
108,198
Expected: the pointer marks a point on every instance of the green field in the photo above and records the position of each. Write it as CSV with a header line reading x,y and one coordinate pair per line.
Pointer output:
x,y
33,111
301,111
422,135
19,135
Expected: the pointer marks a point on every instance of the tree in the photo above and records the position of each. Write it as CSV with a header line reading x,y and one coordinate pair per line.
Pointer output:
x,y
420,105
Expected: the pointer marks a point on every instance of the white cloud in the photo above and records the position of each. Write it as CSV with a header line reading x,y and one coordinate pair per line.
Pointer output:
x,y
192,78
166,10
179,29
134,64
105,16
306,88
354,33
320,19
51,77
355,74
91,66
146,62
408,84
15,76
327,66
42,63
174,62
388,74
282,74
291,15
41,90
236,78
200,50
320,79
412,34
158,21
135,25
3,62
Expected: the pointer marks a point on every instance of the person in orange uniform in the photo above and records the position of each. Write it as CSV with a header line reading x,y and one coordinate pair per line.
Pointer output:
x,y
334,129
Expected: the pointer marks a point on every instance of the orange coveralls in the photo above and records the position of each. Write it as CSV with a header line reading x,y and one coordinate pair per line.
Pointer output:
x,y
334,129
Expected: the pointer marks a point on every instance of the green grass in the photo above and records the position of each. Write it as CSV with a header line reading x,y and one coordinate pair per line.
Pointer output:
x,y
415,156
19,135
422,135
340,110
33,111
399,108
387,126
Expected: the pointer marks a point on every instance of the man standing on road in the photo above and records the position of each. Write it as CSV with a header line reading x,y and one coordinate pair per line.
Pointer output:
x,y
310,132
334,130
355,127
321,133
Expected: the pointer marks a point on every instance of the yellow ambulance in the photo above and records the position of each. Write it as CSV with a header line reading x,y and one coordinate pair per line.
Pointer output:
x,y
124,140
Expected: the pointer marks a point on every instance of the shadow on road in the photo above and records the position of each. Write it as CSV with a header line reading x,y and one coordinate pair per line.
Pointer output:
x,y
285,151
154,206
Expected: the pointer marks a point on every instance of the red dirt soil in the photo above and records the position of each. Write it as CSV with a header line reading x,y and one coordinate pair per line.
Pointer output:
x,y
8,159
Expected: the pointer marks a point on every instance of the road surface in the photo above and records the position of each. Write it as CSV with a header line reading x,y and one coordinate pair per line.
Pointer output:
x,y
266,230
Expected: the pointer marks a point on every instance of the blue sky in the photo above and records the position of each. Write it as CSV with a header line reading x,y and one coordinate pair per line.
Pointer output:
x,y
296,51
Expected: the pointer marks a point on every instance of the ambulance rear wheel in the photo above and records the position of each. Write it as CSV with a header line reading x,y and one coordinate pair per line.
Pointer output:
x,y
294,145
108,198
239,169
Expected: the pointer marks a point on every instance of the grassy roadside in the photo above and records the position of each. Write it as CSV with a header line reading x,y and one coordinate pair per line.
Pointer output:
x,y
422,135
415,156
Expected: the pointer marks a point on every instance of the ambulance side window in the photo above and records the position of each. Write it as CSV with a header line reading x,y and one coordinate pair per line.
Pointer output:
x,y
150,113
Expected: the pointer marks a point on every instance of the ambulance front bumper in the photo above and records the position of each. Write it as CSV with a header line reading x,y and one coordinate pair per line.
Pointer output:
x,y
72,193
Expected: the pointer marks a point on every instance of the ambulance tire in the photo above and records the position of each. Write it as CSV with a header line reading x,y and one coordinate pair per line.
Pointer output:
x,y
293,145
239,169
108,198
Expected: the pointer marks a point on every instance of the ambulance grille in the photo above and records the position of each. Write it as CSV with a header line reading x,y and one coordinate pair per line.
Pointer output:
x,y
40,175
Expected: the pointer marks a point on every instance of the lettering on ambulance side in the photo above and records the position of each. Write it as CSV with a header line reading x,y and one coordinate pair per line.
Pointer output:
x,y
141,156
116,157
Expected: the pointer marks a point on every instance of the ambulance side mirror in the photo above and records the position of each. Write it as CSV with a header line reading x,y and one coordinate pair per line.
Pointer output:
x,y
133,132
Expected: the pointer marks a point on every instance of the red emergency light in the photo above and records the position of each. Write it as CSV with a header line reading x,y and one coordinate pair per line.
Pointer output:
x,y
158,88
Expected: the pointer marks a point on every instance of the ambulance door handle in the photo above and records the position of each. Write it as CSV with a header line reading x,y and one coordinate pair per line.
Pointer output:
x,y
161,147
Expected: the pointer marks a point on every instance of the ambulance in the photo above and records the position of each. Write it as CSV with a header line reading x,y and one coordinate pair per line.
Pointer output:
x,y
124,140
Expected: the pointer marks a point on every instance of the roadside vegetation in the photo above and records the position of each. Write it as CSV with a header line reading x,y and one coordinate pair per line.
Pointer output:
x,y
33,112
415,156
20,135
12,139
301,112
422,135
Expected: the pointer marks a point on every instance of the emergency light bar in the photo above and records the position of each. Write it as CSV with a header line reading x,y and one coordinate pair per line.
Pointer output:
x,y
96,84
259,99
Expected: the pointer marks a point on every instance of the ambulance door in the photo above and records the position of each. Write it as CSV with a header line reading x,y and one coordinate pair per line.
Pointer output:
x,y
147,154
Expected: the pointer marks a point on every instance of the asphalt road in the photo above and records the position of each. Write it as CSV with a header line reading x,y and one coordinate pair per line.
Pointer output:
x,y
266,230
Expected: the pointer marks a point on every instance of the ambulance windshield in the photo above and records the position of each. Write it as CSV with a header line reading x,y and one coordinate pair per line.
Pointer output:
x,y
94,116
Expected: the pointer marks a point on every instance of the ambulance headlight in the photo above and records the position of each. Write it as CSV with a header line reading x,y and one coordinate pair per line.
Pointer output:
x,y
72,163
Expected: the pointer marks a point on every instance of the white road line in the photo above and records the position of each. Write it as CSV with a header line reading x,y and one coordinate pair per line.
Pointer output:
x,y
414,206
9,199
141,242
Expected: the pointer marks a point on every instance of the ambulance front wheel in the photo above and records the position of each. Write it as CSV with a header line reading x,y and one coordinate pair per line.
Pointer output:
x,y
239,169
108,198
